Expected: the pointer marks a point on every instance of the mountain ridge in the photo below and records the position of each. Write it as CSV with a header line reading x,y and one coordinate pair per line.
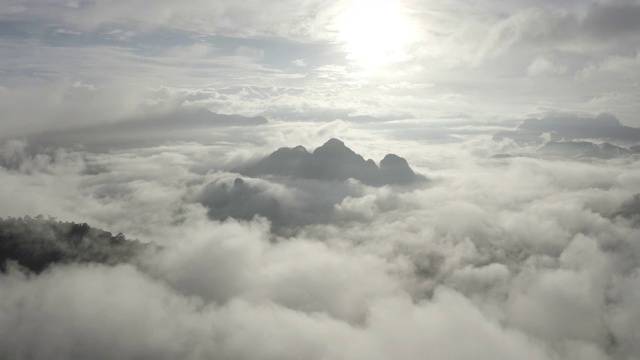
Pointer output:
x,y
334,161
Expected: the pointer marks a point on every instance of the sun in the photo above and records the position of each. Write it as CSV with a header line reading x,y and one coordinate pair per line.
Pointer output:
x,y
376,32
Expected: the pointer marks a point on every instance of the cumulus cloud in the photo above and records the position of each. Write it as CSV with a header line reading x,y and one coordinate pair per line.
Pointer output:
x,y
630,209
500,258
138,307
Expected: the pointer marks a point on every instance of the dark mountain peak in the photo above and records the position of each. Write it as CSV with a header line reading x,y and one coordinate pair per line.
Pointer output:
x,y
584,149
37,243
396,170
563,127
393,160
285,151
284,161
333,142
566,122
333,146
243,201
334,161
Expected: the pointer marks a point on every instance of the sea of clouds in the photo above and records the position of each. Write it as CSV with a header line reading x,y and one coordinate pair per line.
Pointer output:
x,y
526,257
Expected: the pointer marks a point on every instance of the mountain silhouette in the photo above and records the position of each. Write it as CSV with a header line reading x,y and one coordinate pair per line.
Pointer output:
x,y
37,243
562,127
584,149
334,161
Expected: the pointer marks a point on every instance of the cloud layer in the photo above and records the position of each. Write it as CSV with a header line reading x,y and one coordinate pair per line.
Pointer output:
x,y
156,119
524,257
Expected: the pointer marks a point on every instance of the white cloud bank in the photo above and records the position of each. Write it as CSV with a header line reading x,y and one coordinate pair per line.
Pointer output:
x,y
508,258
516,257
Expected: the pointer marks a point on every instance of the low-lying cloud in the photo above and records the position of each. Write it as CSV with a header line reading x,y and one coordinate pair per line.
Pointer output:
x,y
519,257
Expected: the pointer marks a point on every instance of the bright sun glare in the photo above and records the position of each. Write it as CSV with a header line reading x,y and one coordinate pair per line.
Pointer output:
x,y
376,32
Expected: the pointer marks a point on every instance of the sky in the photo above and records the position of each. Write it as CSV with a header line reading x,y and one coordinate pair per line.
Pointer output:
x,y
247,140
87,62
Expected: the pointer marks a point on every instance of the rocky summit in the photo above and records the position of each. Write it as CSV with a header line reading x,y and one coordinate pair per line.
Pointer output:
x,y
334,161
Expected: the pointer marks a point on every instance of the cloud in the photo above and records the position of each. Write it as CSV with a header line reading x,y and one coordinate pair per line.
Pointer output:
x,y
522,256
529,26
630,209
621,65
181,124
125,51
571,126
64,104
543,66
613,20
299,62
227,18
140,308
517,257
585,29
